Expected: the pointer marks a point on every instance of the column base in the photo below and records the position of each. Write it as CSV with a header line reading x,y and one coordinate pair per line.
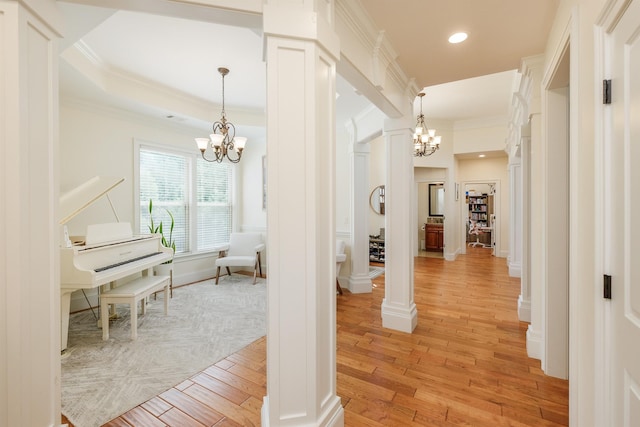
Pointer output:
x,y
534,344
399,318
524,310
515,270
332,417
360,284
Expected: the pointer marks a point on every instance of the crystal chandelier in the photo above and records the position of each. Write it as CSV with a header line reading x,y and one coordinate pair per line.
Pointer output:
x,y
425,141
223,140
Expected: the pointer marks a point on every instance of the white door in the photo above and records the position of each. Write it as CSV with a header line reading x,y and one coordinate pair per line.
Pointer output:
x,y
623,219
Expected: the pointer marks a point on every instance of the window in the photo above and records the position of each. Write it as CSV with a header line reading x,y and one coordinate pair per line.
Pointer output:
x,y
196,192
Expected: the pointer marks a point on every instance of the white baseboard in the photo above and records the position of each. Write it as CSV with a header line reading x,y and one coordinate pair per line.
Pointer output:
x,y
358,284
399,319
515,270
524,310
451,256
534,344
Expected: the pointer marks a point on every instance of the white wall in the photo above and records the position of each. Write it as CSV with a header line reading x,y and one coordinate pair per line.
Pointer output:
x,y
484,137
343,186
98,141
253,216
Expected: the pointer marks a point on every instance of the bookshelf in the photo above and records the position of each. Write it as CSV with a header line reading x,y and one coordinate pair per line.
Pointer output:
x,y
478,210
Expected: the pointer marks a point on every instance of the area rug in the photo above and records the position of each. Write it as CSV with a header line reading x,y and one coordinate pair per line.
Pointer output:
x,y
375,271
104,379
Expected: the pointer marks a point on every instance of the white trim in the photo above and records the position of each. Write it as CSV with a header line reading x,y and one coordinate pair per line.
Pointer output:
x,y
534,343
603,321
524,310
515,269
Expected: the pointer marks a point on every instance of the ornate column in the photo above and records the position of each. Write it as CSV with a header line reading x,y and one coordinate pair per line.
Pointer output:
x,y
398,308
301,52
359,281
29,181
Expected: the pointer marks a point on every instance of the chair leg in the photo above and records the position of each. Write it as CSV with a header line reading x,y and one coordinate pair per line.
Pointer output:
x,y
338,287
217,275
259,265
228,271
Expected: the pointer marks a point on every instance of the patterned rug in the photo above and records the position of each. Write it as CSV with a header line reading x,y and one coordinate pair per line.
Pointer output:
x,y
104,379
375,271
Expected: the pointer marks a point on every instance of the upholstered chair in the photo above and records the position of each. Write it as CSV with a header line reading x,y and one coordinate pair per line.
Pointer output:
x,y
340,258
243,250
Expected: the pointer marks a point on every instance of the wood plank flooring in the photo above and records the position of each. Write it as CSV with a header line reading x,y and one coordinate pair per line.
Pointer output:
x,y
464,365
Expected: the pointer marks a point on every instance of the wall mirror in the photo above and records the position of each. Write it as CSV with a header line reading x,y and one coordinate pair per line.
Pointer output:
x,y
436,199
376,200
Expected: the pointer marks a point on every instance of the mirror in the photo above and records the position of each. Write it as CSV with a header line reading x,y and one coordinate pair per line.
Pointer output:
x,y
436,199
376,200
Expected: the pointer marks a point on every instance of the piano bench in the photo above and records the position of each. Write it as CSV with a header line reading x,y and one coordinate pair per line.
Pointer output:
x,y
131,293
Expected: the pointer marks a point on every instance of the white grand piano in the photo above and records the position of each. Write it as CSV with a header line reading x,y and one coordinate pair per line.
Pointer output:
x,y
107,253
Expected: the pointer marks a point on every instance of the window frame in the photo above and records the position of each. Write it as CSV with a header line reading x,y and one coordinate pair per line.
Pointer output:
x,y
191,182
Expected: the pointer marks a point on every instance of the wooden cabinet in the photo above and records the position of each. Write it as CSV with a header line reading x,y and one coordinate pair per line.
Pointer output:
x,y
434,237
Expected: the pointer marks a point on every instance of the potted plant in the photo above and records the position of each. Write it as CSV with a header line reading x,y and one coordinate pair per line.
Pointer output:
x,y
165,267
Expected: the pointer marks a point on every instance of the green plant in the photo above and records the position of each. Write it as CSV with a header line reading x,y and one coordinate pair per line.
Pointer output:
x,y
158,229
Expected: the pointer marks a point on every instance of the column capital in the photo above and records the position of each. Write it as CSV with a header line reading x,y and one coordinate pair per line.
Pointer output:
x,y
282,19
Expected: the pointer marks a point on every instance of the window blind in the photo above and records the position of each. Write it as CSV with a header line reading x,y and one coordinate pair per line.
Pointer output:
x,y
214,203
165,178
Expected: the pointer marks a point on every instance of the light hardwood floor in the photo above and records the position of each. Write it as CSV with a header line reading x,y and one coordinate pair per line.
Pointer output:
x,y
464,365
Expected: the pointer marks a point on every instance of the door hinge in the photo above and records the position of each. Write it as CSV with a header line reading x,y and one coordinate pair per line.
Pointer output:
x,y
606,91
607,286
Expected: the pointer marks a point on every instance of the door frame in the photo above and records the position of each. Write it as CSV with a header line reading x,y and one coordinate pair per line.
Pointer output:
x,y
464,208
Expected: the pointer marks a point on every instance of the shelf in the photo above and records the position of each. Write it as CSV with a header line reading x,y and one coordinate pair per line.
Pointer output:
x,y
376,250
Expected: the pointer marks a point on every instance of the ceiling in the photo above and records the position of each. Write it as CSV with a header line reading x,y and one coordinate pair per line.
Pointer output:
x,y
166,67
501,33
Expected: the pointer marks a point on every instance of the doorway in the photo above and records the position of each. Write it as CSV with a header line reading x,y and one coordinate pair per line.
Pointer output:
x,y
431,214
479,217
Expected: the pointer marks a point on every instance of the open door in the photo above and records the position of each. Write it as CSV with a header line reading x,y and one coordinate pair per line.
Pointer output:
x,y
622,213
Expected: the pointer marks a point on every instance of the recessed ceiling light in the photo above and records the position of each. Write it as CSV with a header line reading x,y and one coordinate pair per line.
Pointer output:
x,y
458,38
482,155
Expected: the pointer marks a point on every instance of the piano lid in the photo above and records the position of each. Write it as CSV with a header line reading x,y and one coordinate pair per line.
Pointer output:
x,y
76,200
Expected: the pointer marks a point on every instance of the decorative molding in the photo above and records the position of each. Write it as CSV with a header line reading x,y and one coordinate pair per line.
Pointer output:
x,y
139,118
367,49
162,98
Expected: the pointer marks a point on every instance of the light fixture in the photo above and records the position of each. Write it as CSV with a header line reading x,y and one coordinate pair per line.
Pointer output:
x,y
425,141
223,140
457,38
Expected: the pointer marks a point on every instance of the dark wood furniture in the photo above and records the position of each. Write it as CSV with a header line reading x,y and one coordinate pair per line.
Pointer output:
x,y
434,237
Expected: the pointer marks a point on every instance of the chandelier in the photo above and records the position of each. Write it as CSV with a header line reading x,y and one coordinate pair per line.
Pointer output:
x,y
223,140
425,141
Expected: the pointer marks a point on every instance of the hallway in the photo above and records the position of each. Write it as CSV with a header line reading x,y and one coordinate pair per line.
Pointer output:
x,y
465,363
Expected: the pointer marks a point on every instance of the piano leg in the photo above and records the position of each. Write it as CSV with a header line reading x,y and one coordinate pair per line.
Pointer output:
x,y
65,307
